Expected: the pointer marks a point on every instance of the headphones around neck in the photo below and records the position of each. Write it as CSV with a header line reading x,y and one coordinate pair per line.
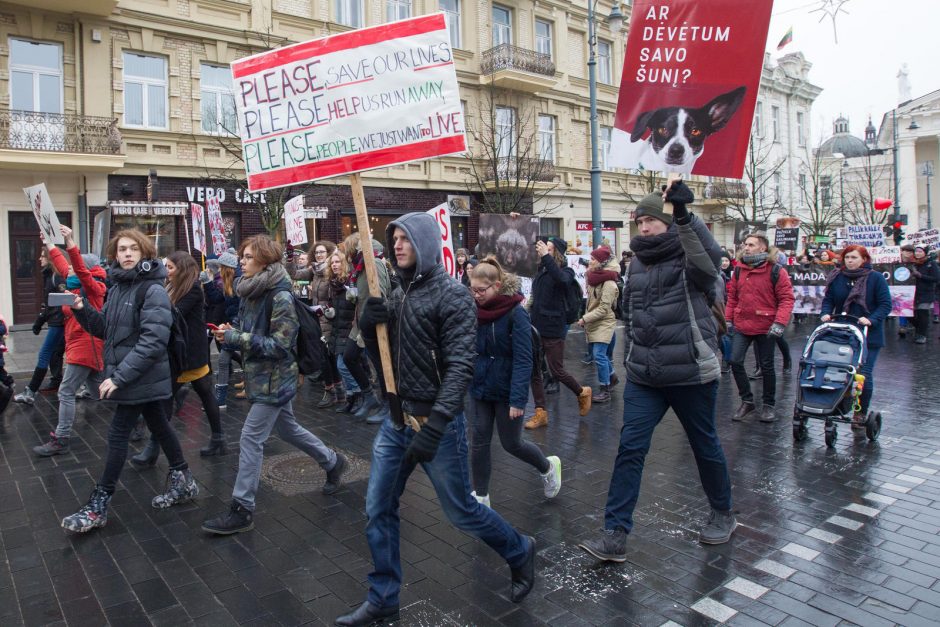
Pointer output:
x,y
144,265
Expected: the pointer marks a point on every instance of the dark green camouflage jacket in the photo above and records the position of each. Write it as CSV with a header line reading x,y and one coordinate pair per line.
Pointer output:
x,y
268,360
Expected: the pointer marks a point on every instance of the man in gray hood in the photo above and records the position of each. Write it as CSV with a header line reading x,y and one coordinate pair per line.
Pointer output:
x,y
432,328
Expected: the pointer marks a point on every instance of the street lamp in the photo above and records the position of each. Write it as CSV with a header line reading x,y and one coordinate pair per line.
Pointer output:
x,y
894,151
842,167
927,172
615,21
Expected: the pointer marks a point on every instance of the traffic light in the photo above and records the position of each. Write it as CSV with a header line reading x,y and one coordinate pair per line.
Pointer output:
x,y
897,233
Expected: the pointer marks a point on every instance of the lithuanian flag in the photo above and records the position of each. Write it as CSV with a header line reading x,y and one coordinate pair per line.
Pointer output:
x,y
787,38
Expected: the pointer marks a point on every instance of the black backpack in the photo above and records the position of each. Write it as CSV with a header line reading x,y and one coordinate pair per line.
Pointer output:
x,y
574,297
618,304
774,274
309,351
176,346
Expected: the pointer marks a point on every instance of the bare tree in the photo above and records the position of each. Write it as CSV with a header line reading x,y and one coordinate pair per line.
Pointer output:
x,y
754,198
819,215
868,185
509,170
648,181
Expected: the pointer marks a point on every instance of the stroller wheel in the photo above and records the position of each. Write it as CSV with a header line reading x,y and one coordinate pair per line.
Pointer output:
x,y
873,425
831,435
800,431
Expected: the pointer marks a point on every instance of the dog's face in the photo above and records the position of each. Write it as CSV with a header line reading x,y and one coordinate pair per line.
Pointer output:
x,y
678,134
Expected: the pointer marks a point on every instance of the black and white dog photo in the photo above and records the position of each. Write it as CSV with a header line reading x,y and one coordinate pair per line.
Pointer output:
x,y
676,134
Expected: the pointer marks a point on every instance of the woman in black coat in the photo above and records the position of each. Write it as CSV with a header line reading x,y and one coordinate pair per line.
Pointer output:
x,y
341,314
927,275
186,296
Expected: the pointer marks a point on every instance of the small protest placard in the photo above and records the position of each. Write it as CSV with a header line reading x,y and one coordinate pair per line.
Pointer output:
x,y
349,102
865,234
786,239
441,215
885,254
198,215
44,212
924,237
294,220
690,78
216,229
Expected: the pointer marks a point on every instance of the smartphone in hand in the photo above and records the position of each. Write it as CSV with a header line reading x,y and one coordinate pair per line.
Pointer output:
x,y
57,299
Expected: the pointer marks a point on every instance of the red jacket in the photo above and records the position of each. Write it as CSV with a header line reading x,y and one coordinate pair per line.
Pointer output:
x,y
754,303
81,348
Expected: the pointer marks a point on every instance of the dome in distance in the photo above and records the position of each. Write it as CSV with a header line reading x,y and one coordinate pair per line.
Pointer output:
x,y
843,142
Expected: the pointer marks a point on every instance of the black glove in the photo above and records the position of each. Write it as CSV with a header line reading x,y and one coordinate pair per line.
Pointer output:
x,y
37,327
680,195
374,312
424,445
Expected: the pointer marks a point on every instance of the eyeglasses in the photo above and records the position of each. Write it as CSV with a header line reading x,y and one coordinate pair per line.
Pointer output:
x,y
319,252
480,290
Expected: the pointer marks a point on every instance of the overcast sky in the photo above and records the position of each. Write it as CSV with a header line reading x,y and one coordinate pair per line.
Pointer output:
x,y
859,73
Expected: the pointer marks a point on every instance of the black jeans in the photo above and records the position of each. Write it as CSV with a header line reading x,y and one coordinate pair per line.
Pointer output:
x,y
921,321
206,394
486,414
123,422
352,357
765,355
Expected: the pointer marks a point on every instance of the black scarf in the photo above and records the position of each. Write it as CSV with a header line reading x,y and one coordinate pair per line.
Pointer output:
x,y
859,292
656,248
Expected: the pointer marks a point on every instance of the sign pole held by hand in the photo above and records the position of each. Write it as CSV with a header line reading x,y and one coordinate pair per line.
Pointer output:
x,y
368,258
670,178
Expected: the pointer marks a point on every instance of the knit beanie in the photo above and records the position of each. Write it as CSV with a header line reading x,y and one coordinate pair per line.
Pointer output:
x,y
229,258
91,260
652,205
559,244
601,254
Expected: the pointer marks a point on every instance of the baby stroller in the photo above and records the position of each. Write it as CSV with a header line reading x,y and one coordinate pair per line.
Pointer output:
x,y
830,383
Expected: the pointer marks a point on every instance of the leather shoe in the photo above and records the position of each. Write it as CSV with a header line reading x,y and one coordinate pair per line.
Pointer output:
x,y
368,614
523,578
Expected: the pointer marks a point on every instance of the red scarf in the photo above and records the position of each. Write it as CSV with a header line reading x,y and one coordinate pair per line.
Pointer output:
x,y
596,277
497,307
359,266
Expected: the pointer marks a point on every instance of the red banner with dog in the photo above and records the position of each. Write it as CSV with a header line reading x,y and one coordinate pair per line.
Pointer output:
x,y
689,86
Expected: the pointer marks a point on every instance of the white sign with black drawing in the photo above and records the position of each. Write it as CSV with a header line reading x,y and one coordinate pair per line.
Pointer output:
x,y
41,204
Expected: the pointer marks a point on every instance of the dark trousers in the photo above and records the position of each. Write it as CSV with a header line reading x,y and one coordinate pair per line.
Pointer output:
x,y
554,348
486,415
352,357
765,355
123,422
868,369
921,321
643,408
204,391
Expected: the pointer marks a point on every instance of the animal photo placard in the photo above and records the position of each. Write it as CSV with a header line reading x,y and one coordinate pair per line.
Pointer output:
x,y
511,239
689,86
41,204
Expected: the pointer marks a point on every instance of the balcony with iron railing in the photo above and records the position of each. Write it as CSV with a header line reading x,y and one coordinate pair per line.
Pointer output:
x,y
511,67
532,173
59,141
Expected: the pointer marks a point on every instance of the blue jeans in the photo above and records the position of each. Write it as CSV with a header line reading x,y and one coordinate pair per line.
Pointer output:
x,y
602,354
449,476
726,348
348,381
868,369
55,337
643,408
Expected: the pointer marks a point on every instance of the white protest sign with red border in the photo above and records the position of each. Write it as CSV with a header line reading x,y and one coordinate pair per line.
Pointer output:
x,y
198,216
441,215
215,225
294,220
350,102
689,86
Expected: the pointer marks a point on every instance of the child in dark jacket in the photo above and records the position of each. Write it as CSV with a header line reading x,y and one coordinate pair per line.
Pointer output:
x,y
501,375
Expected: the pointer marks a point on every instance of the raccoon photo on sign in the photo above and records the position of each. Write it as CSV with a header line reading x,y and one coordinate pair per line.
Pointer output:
x,y
511,239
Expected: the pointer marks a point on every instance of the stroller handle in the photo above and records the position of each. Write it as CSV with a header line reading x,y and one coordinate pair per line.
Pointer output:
x,y
854,320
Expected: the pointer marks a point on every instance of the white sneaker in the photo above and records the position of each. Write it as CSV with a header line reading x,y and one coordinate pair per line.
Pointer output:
x,y
551,480
482,500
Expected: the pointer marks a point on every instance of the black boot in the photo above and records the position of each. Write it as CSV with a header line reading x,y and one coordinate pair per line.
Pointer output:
x,y
603,396
368,614
216,446
523,578
353,403
237,519
147,458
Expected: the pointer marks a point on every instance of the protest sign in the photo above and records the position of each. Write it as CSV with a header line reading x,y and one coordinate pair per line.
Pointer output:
x,y
742,229
197,213
349,102
441,215
215,225
579,263
809,287
885,254
865,234
511,239
294,220
99,242
690,76
44,212
786,239
924,237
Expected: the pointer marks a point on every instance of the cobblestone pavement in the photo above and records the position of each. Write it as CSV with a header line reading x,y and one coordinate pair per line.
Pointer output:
x,y
828,536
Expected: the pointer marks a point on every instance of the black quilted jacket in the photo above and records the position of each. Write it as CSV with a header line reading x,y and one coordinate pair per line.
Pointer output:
x,y
432,327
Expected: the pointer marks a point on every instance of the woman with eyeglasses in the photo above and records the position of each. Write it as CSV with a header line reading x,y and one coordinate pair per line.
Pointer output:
x,y
320,294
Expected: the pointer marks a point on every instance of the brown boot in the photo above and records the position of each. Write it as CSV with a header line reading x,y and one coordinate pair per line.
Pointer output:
x,y
584,400
540,419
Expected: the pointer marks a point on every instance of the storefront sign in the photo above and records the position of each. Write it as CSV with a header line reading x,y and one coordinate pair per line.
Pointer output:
x,y
294,220
216,227
240,196
41,204
148,208
690,77
349,102
441,215
316,213
584,236
198,217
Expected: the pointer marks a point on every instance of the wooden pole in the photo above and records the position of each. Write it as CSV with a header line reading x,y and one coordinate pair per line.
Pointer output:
x,y
672,176
368,257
